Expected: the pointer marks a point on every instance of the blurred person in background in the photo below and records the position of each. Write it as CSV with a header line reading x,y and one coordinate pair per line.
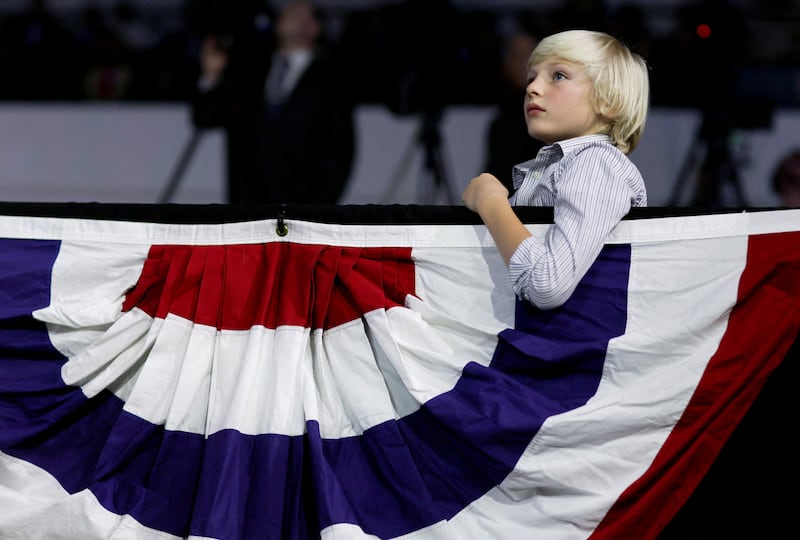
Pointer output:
x,y
507,140
786,179
280,93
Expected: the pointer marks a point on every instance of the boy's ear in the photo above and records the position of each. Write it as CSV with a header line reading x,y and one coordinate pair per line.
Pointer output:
x,y
607,113
604,117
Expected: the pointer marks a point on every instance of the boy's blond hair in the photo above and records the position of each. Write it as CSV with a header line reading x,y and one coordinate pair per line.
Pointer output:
x,y
620,83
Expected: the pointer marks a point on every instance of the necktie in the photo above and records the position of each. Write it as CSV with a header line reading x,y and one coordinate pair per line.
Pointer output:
x,y
276,79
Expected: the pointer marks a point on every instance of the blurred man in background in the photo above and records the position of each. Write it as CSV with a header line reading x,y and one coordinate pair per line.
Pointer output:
x,y
507,141
278,90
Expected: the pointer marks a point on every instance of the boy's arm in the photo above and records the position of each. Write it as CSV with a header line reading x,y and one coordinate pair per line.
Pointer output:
x,y
487,196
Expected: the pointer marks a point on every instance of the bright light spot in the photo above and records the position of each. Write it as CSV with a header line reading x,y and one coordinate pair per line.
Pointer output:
x,y
703,30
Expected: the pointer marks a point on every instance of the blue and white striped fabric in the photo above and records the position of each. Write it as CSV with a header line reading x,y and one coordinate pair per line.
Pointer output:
x,y
373,381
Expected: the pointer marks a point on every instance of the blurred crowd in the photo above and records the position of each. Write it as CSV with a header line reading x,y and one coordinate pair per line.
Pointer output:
x,y
407,54
91,54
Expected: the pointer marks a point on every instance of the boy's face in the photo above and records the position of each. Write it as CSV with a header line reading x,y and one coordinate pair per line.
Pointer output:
x,y
557,102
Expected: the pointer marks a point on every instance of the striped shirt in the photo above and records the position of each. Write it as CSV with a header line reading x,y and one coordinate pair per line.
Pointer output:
x,y
591,186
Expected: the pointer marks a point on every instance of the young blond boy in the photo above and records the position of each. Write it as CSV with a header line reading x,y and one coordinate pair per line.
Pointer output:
x,y
587,99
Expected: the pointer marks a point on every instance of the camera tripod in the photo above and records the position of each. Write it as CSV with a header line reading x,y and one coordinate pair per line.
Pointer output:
x,y
428,136
184,159
718,183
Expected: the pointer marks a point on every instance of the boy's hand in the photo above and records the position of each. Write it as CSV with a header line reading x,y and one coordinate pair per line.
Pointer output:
x,y
484,187
487,196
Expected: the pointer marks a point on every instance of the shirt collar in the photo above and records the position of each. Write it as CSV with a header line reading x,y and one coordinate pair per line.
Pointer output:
x,y
568,145
562,147
298,57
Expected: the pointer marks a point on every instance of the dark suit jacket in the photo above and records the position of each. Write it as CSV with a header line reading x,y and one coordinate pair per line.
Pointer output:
x,y
301,152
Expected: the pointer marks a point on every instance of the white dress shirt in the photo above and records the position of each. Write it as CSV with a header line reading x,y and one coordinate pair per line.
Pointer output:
x,y
591,186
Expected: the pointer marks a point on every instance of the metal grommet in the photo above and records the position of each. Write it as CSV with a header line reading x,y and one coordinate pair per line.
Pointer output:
x,y
282,228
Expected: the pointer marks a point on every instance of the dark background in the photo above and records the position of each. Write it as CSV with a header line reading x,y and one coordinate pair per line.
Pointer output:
x,y
408,54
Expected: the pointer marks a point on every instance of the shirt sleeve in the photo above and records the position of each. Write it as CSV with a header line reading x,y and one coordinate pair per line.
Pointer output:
x,y
593,194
